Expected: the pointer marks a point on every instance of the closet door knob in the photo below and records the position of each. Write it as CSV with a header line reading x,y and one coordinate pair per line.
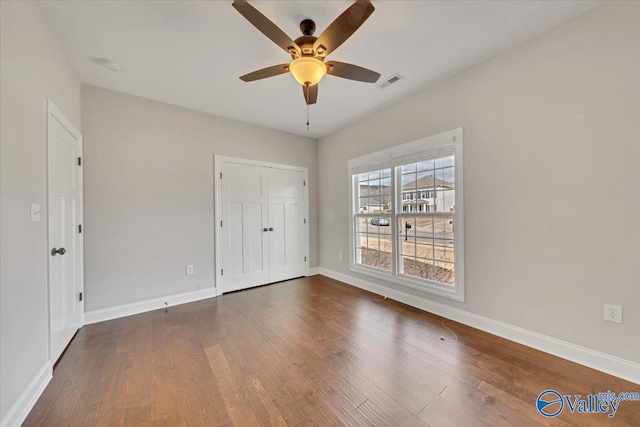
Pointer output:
x,y
265,229
60,251
270,228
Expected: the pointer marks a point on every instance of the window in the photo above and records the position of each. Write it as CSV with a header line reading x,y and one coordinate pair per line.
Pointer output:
x,y
407,216
372,223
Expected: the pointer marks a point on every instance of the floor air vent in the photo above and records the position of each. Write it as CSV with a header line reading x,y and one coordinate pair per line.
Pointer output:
x,y
390,80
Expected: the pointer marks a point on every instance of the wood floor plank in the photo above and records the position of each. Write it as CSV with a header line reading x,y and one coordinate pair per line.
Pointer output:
x,y
286,394
167,419
487,408
311,351
263,407
294,385
318,411
378,386
388,415
235,400
113,403
138,414
139,379
443,413
217,359
162,391
210,402
63,408
342,408
492,393
62,371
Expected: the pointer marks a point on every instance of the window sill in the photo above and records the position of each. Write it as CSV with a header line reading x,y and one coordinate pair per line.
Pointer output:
x,y
453,293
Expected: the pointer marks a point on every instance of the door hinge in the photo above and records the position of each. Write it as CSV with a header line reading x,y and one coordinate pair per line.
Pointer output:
x,y
220,175
79,161
222,272
79,228
220,223
304,183
305,220
305,259
80,297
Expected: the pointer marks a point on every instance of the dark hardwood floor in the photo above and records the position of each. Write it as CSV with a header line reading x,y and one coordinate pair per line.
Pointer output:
x,y
311,351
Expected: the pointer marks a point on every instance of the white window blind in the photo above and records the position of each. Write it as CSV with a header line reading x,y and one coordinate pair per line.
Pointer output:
x,y
412,152
435,153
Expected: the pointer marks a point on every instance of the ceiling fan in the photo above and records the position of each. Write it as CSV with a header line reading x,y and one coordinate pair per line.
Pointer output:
x,y
309,52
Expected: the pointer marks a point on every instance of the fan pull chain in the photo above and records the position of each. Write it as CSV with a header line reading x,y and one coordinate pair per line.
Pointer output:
x,y
307,97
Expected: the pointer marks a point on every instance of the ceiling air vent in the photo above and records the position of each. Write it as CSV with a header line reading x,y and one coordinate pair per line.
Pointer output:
x,y
390,80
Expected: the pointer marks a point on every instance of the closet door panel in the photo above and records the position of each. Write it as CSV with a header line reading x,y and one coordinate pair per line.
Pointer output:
x,y
244,207
286,199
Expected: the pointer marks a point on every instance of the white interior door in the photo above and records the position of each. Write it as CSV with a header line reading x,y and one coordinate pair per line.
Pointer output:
x,y
244,210
287,249
65,241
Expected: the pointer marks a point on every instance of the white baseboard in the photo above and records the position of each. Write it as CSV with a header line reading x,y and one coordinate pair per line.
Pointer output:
x,y
29,396
313,271
612,365
147,305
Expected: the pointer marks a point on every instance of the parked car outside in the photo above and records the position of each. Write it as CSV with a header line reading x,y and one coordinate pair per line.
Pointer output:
x,y
380,221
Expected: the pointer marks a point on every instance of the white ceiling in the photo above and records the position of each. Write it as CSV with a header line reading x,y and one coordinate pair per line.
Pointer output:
x,y
191,53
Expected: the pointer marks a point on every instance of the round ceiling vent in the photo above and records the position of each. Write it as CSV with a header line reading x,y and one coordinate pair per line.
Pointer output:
x,y
110,65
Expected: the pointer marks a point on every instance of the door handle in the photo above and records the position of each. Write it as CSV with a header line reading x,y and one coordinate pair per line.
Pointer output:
x,y
270,228
265,229
60,251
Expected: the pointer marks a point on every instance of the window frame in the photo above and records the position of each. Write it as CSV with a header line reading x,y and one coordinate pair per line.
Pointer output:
x,y
391,157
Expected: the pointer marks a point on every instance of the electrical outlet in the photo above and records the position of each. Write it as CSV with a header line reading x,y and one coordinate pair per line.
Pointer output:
x,y
189,269
613,313
340,256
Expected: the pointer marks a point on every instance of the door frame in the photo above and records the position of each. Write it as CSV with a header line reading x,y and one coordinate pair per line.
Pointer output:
x,y
54,113
217,213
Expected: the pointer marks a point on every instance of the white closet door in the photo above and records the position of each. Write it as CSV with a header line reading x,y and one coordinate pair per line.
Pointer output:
x,y
286,217
244,208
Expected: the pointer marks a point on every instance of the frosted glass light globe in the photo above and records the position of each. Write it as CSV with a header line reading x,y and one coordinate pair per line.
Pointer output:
x,y
307,70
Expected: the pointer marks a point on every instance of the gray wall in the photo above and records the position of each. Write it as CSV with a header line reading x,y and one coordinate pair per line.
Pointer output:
x,y
148,192
552,199
32,68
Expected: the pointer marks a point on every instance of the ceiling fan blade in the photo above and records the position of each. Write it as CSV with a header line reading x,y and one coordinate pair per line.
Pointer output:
x,y
351,72
267,27
343,27
266,72
310,94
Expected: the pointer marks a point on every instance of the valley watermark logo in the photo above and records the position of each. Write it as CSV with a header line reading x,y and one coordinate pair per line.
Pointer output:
x,y
550,403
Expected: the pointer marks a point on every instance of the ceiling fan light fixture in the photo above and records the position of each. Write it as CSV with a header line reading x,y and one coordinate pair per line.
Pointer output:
x,y
308,71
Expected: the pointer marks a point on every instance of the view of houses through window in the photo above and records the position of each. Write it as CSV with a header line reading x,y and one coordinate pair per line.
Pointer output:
x,y
424,219
373,232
